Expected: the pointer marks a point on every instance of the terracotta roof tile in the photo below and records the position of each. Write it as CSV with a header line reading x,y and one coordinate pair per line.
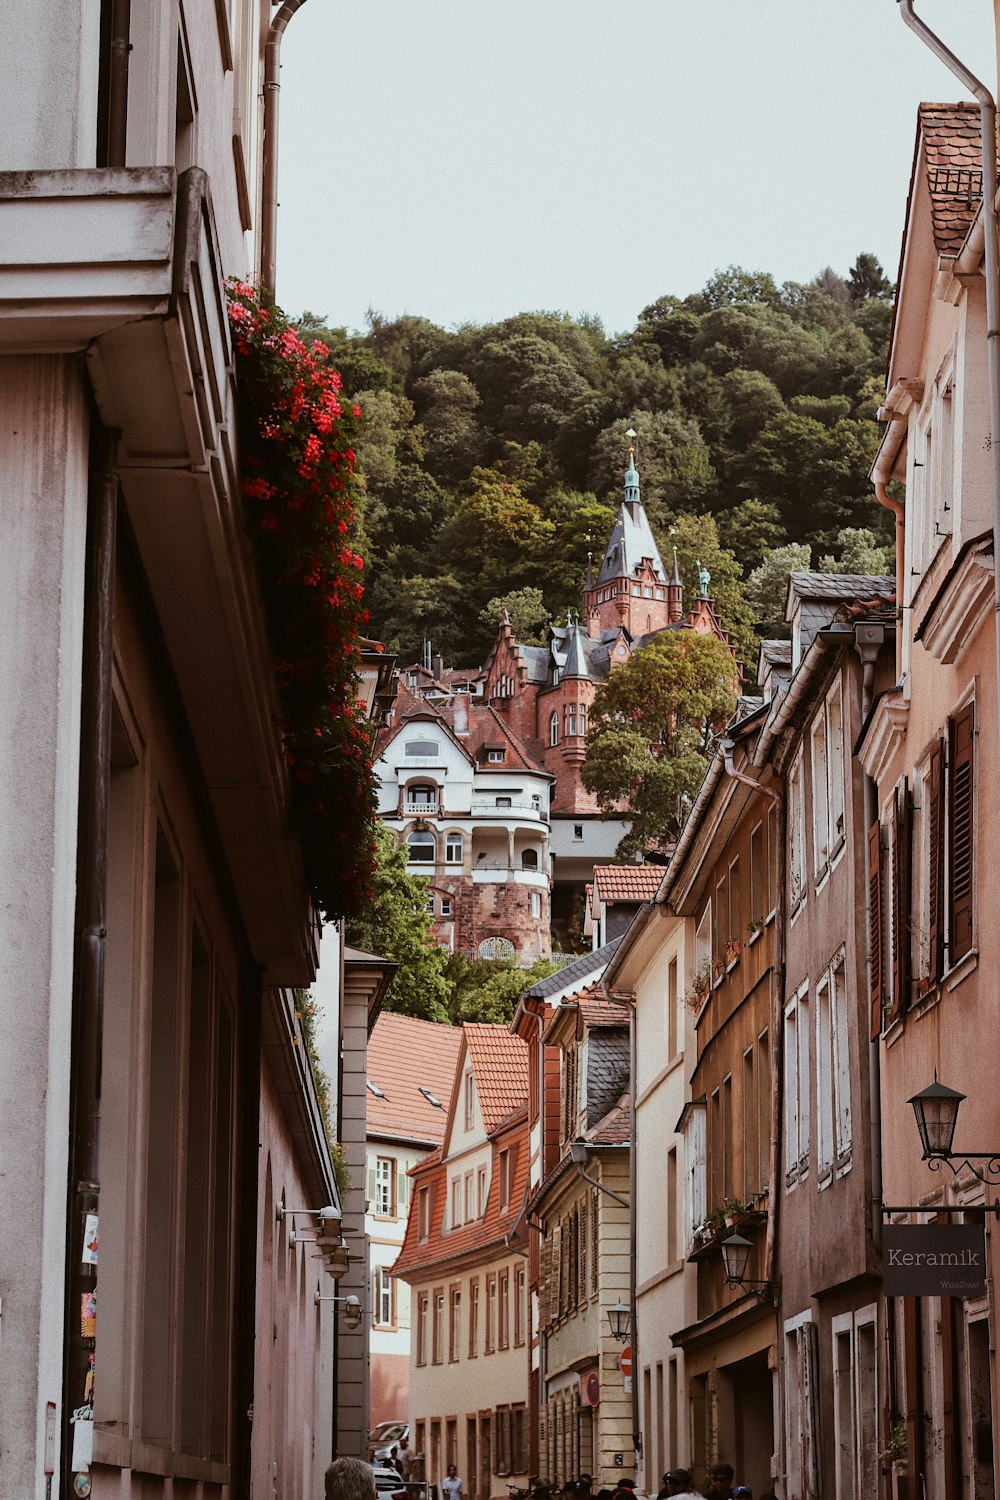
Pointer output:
x,y
616,1127
404,1056
953,157
500,1064
595,1011
627,882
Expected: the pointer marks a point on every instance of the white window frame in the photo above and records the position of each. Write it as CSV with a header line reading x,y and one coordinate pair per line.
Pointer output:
x,y
385,1173
456,1202
469,1087
695,1182
796,835
536,904
383,1298
797,1086
855,1408
454,849
801,1397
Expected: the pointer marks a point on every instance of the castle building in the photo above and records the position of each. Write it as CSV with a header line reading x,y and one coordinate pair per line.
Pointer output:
x,y
527,711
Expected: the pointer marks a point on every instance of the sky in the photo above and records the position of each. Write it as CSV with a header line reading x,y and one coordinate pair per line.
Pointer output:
x,y
465,161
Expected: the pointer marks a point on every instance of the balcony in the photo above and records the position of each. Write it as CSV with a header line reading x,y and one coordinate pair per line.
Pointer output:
x,y
519,807
421,809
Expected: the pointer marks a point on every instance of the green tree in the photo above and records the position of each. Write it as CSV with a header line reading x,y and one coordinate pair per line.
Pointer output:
x,y
750,531
696,538
868,280
409,607
447,402
486,991
766,588
652,727
860,551
525,608
675,467
397,925
360,369
816,474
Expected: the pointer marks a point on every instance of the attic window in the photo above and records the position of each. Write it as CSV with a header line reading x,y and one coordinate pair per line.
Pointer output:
x,y
375,1089
420,747
430,1098
495,757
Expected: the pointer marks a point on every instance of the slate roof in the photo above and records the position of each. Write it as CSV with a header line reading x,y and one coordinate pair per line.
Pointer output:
x,y
614,883
779,653
615,1129
631,540
485,727
953,157
405,1055
500,1064
581,968
840,586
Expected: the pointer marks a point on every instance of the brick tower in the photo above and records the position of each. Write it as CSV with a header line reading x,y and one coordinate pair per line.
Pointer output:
x,y
631,591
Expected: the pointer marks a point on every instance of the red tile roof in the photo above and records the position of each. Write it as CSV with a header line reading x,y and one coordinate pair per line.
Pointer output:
x,y
952,151
626,882
616,1127
483,1238
595,1011
404,1056
500,1064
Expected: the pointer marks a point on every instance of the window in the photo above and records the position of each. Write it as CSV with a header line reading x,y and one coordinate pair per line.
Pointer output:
x,y
423,1305
456,1202
577,832
671,1247
420,846
827,753
672,1012
429,904
749,1132
382,1297
554,729
520,1304
703,940
801,1407
503,1309
536,905
385,1183
696,1194
495,757
570,1092
481,1190
833,1079
454,1324
504,802
796,834
489,1342
423,1214
422,798
373,1088
431,1098
446,906
473,1316
470,1201
660,594
571,719
760,879
414,748
797,1086
437,1351
529,859
855,1403
647,592
503,1168
453,848
470,1100
763,1110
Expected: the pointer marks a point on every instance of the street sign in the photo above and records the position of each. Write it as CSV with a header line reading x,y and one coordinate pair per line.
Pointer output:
x,y
593,1389
934,1260
625,1360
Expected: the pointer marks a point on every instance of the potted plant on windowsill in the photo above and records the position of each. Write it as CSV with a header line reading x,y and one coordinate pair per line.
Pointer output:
x,y
732,952
700,985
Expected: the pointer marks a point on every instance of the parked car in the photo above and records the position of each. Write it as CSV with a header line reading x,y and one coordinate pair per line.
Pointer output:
x,y
388,1483
384,1437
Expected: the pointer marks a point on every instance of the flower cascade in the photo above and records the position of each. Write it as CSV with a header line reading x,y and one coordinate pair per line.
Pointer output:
x,y
296,466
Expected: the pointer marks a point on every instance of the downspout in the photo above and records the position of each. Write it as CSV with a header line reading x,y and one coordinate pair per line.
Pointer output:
x,y
269,154
988,132
777,797
112,108
84,1181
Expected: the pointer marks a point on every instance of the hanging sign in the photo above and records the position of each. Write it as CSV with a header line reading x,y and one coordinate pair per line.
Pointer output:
x,y
934,1260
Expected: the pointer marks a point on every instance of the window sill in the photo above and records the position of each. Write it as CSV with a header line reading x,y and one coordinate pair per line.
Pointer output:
x,y
960,970
755,934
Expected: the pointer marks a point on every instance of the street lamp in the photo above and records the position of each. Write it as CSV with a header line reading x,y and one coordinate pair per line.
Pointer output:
x,y
936,1111
735,1258
353,1310
619,1317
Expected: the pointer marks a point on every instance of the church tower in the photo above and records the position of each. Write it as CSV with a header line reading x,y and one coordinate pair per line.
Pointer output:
x,y
631,589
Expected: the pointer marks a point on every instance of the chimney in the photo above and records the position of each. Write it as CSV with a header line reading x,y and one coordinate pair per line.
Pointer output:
x,y
437,668
460,717
594,625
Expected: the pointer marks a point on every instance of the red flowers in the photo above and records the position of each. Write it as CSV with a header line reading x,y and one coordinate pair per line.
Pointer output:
x,y
297,460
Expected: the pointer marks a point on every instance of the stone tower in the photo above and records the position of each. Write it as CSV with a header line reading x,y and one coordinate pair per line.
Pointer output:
x,y
631,590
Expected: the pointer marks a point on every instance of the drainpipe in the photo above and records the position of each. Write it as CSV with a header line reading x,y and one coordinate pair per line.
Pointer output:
x,y
112,108
988,131
269,163
84,1183
776,796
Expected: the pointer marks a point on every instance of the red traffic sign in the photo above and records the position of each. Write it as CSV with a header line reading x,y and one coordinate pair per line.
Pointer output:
x,y
593,1389
625,1360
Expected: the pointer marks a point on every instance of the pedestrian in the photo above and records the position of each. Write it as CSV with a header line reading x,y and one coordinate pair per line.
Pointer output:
x,y
393,1459
721,1486
677,1482
404,1460
349,1479
742,1492
451,1485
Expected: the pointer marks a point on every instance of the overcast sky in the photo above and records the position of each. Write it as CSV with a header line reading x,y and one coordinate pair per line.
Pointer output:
x,y
466,161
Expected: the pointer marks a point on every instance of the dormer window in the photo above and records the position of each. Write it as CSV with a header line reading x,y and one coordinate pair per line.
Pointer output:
x,y
495,757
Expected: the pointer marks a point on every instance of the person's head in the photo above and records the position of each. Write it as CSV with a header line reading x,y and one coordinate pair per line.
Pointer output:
x,y
722,1479
452,1471
676,1481
393,1451
402,1442
742,1492
349,1479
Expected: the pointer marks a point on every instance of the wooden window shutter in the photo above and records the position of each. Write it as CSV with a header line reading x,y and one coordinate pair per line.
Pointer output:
x,y
960,823
545,1283
934,794
875,926
900,915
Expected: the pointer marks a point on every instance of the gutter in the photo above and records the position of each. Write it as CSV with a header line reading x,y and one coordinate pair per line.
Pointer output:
x,y
269,153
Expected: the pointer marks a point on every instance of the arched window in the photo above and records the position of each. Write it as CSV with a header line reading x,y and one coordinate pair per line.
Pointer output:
x,y
422,798
420,847
554,729
529,859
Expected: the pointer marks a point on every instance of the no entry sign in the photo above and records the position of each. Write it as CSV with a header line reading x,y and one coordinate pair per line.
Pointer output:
x,y
625,1360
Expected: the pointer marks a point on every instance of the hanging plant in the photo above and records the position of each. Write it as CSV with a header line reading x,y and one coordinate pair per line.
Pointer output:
x,y
296,463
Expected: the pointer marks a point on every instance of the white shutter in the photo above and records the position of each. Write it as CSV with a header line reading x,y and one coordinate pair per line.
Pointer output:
x,y
809,1386
371,1187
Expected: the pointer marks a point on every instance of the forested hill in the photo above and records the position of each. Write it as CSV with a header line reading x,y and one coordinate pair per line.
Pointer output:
x,y
492,457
